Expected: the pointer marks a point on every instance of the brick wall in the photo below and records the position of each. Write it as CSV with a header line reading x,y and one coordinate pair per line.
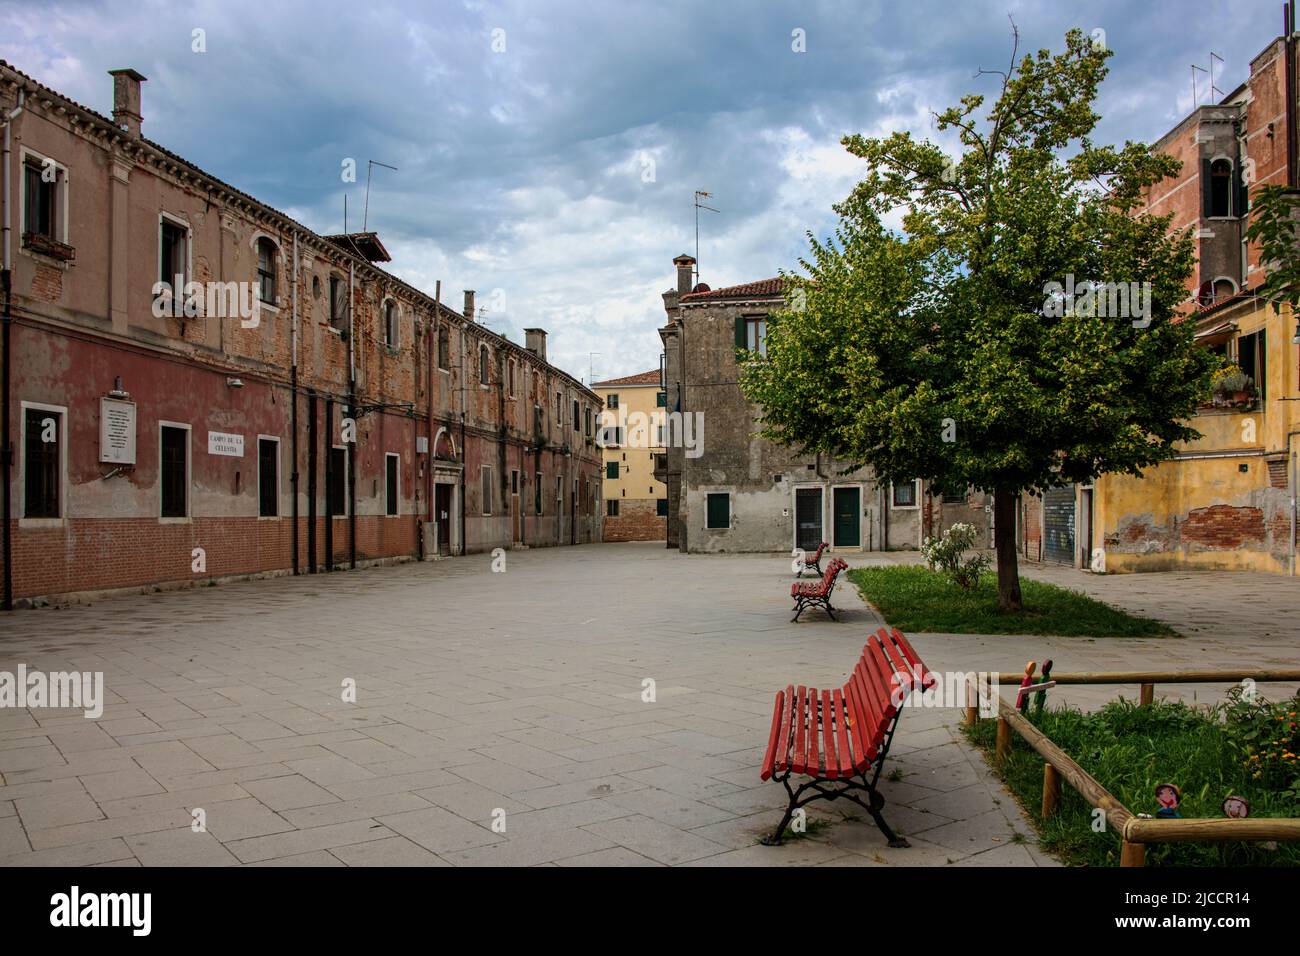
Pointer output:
x,y
637,520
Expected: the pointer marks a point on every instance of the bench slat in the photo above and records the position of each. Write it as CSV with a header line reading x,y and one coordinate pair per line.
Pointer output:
x,y
861,726
801,716
828,734
769,758
843,756
783,744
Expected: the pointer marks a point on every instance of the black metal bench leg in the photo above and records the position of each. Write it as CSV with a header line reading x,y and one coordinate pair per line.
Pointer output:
x,y
873,805
775,838
831,612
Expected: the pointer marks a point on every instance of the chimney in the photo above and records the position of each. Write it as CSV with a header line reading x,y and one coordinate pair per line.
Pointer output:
x,y
126,100
468,311
535,342
685,273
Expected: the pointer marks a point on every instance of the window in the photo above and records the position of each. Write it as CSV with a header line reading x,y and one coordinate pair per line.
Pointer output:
x,y
483,359
537,494
512,378
611,508
615,436
611,469
485,488
43,467
391,463
173,253
336,481
719,510
661,507
576,420
1250,358
756,334
391,330
268,477
338,302
559,495
611,401
904,495
43,182
1219,191
559,409
586,420
266,270
173,470
954,497
444,347
661,399
514,481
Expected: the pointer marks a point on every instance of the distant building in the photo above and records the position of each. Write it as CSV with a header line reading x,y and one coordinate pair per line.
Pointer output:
x,y
739,492
636,502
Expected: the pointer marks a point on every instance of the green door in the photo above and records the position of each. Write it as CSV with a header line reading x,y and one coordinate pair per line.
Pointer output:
x,y
848,527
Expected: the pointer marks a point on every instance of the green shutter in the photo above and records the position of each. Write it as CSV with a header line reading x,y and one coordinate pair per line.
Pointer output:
x,y
719,510
740,332
611,469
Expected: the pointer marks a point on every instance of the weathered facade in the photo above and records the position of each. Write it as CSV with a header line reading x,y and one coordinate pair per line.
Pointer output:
x,y
289,406
738,492
1228,499
636,503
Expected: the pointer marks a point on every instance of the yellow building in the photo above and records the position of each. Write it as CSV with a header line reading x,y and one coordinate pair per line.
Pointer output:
x,y
632,431
1227,500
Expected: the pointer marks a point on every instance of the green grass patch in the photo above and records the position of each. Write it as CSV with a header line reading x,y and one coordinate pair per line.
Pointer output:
x,y
1130,749
913,598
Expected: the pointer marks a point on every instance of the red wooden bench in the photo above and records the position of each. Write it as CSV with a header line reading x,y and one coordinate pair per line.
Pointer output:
x,y
813,562
808,594
836,737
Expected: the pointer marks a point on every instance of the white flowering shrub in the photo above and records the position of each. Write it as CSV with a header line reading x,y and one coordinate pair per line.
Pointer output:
x,y
946,555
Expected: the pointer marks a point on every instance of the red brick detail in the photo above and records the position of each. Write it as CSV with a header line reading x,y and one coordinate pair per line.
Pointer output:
x,y
636,521
1224,526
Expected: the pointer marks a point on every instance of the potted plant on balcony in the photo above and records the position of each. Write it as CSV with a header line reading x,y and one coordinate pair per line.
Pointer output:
x,y
1234,388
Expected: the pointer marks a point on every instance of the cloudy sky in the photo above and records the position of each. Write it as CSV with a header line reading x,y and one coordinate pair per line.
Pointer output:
x,y
548,150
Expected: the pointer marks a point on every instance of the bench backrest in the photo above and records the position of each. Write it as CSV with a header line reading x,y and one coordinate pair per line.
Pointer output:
x,y
817,556
887,671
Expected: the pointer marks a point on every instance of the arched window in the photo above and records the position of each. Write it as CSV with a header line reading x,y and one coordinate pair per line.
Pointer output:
x,y
266,255
390,324
1220,189
482,364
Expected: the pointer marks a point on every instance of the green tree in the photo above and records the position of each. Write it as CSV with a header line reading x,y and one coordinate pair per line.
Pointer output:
x,y
942,349
1275,227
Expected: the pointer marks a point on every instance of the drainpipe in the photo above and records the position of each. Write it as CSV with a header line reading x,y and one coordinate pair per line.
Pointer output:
x,y
293,420
434,331
352,413
6,280
1292,455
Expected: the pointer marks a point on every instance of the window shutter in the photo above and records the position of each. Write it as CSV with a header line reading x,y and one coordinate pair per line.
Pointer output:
x,y
1242,200
1205,189
740,332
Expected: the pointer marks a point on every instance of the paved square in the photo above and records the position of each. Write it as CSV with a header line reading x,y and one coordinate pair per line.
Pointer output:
x,y
483,695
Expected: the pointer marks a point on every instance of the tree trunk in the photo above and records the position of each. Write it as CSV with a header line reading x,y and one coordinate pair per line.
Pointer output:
x,y
1004,543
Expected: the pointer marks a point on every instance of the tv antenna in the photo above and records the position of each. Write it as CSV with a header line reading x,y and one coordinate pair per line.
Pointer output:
x,y
370,165
1215,92
700,194
591,365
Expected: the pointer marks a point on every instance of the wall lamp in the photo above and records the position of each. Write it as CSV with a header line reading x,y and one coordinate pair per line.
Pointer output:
x,y
234,383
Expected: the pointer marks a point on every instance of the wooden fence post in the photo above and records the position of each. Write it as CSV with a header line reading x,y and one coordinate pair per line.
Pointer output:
x,y
1132,854
1148,694
1051,790
1004,741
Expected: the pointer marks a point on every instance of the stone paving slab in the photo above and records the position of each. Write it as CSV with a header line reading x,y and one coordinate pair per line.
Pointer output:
x,y
484,698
